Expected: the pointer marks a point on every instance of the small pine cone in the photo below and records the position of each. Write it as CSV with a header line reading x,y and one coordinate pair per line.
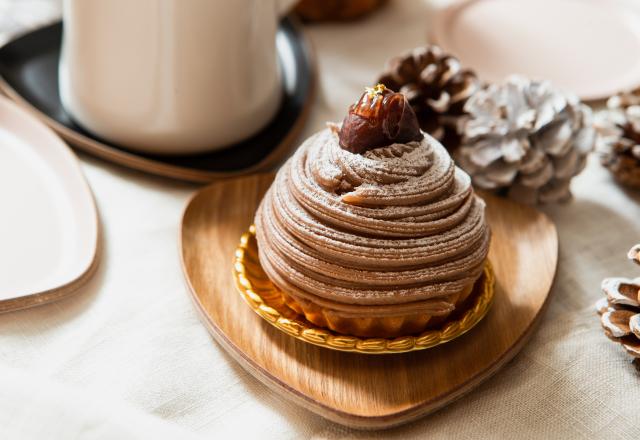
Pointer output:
x,y
620,310
335,10
437,88
618,140
525,139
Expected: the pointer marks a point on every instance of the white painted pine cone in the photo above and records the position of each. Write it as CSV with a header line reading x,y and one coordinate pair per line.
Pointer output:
x,y
618,140
525,138
620,310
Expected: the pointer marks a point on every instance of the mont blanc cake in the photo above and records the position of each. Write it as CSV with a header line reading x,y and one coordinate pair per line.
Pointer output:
x,y
370,229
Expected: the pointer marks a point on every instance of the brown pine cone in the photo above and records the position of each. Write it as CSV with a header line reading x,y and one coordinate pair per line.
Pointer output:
x,y
335,10
620,310
619,137
437,88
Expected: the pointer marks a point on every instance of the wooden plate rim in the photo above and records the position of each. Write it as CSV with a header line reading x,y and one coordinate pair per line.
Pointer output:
x,y
56,293
336,415
62,291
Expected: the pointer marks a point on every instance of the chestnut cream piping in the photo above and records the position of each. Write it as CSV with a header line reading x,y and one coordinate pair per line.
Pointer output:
x,y
394,225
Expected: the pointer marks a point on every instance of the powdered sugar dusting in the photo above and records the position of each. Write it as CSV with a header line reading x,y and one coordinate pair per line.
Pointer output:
x,y
390,226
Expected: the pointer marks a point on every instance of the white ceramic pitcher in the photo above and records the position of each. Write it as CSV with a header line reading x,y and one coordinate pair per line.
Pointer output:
x,y
171,76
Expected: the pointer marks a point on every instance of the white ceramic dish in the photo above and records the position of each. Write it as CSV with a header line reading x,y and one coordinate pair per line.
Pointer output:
x,y
588,47
49,229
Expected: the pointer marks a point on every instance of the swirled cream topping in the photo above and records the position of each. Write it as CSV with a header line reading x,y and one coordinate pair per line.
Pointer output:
x,y
393,225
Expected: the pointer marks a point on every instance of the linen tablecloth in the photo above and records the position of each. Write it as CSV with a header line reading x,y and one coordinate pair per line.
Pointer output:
x,y
126,357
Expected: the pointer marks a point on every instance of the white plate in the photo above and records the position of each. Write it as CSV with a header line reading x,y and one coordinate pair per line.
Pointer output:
x,y
589,47
48,219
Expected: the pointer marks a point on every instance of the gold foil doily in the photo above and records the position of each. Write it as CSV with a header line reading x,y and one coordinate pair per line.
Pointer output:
x,y
266,300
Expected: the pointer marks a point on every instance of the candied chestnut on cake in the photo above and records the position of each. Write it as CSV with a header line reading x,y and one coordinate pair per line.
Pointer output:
x,y
370,229
380,118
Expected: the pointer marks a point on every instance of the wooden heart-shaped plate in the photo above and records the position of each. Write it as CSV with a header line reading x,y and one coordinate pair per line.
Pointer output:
x,y
358,390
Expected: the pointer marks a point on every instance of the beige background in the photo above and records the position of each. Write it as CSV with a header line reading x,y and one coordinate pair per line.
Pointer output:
x,y
128,358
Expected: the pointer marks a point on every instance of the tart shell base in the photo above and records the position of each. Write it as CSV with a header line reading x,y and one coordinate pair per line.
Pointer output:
x,y
308,322
372,326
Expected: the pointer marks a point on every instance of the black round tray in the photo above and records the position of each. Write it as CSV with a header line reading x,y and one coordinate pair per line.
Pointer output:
x,y
29,75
